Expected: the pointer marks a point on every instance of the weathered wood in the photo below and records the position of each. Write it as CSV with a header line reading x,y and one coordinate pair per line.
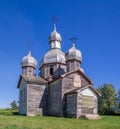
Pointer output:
x,y
55,98
71,105
62,92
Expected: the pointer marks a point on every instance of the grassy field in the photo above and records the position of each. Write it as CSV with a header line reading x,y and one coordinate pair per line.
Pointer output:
x,y
39,122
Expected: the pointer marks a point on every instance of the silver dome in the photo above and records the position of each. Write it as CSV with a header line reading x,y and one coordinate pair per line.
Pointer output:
x,y
73,53
55,36
29,61
53,56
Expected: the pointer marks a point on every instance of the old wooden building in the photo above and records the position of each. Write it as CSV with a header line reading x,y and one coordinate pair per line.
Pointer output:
x,y
61,89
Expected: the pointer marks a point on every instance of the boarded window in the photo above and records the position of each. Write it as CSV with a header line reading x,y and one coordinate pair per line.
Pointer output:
x,y
77,81
88,101
22,95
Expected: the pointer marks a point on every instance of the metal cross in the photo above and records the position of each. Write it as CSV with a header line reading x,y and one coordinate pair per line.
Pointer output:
x,y
29,43
73,39
54,19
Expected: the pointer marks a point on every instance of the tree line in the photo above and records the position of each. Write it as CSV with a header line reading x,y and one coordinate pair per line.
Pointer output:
x,y
109,101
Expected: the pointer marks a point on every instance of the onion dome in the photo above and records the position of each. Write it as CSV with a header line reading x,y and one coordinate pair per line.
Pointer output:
x,y
55,36
28,60
53,56
73,53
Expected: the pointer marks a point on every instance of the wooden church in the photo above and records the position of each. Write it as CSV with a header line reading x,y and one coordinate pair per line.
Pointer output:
x,y
61,89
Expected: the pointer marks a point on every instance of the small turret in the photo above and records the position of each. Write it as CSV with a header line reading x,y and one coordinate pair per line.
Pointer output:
x,y
53,63
29,64
73,58
55,39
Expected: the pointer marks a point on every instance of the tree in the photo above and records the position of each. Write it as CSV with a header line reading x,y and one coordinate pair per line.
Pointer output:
x,y
107,99
118,102
14,105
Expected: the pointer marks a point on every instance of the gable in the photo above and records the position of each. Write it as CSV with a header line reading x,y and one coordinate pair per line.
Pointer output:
x,y
88,92
77,79
85,90
31,80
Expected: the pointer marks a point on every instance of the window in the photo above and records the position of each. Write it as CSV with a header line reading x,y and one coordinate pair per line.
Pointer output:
x,y
88,101
51,70
22,95
77,81
29,70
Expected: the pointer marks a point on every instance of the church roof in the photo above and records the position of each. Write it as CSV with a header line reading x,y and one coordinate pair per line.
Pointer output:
x,y
79,71
32,80
73,53
53,56
28,60
81,88
55,36
76,71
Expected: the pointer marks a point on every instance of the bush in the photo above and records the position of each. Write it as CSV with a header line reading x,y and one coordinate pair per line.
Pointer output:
x,y
8,112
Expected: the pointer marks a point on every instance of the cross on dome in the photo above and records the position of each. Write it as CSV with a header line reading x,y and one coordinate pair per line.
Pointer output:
x,y
54,19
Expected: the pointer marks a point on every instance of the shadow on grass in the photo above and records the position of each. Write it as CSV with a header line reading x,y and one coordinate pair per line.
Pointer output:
x,y
15,113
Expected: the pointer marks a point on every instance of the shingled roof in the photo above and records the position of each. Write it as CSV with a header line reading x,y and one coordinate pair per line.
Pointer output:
x,y
78,71
71,72
32,80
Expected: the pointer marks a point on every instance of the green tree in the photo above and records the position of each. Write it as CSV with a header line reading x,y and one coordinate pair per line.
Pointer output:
x,y
14,105
118,102
107,99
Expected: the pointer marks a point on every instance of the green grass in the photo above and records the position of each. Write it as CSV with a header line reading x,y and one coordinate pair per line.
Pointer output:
x,y
39,122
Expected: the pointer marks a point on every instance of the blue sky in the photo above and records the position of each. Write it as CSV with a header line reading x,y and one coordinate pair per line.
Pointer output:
x,y
96,23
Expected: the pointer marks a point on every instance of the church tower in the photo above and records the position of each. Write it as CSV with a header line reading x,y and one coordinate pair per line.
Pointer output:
x,y
53,63
73,59
28,65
